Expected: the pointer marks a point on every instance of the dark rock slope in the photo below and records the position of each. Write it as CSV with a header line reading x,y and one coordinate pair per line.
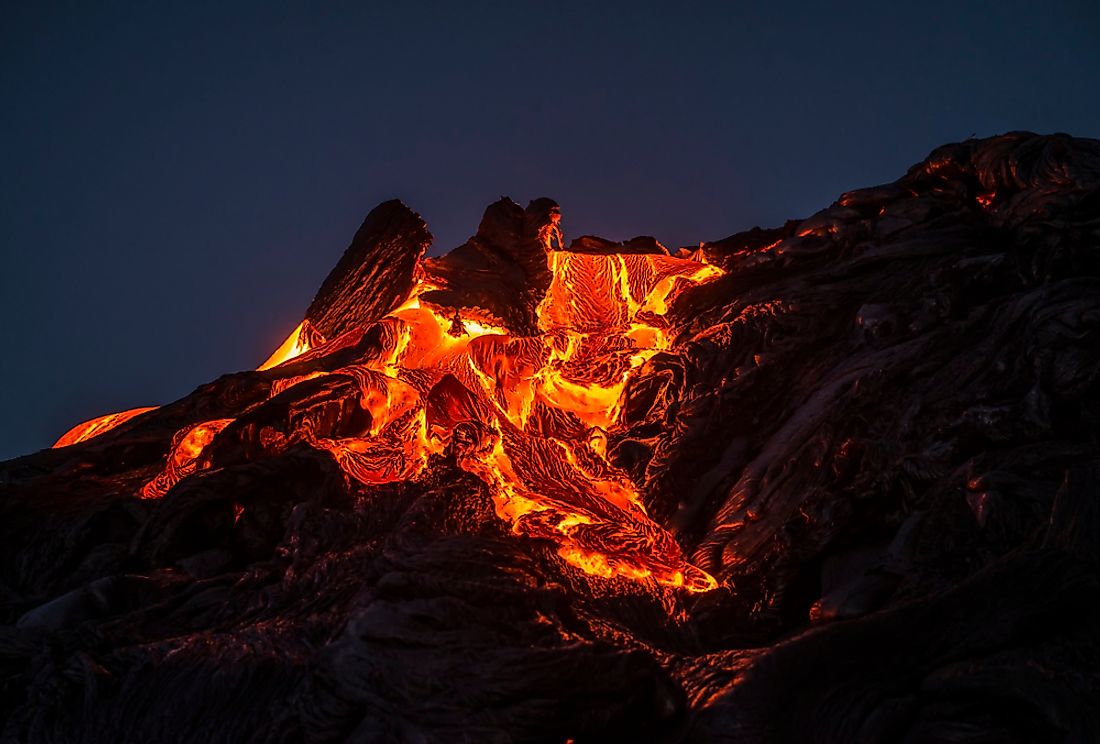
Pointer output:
x,y
877,431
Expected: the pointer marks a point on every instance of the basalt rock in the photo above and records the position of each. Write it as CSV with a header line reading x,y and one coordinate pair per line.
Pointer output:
x,y
375,273
863,448
501,271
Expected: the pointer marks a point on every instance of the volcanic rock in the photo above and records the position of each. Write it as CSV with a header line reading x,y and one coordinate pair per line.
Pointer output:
x,y
843,486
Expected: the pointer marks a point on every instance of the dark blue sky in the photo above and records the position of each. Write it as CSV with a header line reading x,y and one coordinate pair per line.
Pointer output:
x,y
177,183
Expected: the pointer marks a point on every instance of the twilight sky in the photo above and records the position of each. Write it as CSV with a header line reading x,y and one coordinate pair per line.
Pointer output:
x,y
177,182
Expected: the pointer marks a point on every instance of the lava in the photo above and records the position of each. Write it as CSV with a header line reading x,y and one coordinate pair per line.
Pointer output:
x,y
528,415
86,430
303,338
183,460
478,507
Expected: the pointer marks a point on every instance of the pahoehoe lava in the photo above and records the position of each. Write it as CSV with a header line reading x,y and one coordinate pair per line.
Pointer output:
x,y
835,481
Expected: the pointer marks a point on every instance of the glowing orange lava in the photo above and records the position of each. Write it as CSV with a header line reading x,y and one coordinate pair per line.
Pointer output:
x,y
94,427
301,339
528,415
187,445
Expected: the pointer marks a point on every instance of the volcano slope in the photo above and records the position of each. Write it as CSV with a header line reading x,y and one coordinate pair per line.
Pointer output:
x,y
835,481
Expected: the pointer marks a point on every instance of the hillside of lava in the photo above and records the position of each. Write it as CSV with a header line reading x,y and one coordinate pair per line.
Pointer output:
x,y
835,481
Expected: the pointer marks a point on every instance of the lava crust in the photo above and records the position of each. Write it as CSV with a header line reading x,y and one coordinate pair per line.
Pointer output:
x,y
836,481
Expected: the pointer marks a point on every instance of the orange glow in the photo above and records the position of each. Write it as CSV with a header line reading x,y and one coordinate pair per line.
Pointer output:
x,y
528,415
99,425
187,445
301,339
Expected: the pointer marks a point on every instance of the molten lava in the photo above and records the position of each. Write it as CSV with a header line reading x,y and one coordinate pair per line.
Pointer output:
x,y
301,339
528,415
187,445
82,432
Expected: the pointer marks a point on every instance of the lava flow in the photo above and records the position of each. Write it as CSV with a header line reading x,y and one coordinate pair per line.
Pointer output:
x,y
527,414
482,495
86,430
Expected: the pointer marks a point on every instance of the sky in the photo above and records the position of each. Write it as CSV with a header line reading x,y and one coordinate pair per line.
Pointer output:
x,y
179,178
